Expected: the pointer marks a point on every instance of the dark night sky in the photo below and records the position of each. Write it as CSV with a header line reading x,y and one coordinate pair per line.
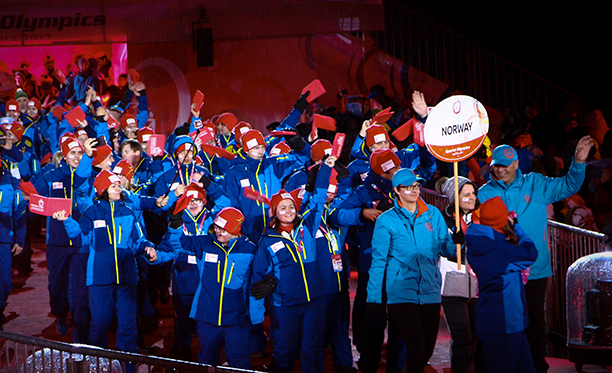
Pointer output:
x,y
564,44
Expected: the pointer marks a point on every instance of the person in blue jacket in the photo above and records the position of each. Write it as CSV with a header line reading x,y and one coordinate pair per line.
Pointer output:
x,y
334,264
12,233
254,169
286,268
114,237
408,239
361,209
499,249
528,195
375,137
64,182
224,257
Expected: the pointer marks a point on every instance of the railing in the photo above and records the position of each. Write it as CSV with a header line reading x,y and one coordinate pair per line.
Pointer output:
x,y
28,354
567,244
458,62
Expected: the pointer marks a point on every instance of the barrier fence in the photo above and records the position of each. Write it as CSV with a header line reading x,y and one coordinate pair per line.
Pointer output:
x,y
24,354
567,244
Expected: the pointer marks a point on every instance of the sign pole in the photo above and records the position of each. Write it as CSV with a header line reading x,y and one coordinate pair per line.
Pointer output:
x,y
457,216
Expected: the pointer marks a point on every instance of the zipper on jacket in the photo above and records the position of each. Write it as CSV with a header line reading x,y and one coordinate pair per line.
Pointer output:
x,y
112,204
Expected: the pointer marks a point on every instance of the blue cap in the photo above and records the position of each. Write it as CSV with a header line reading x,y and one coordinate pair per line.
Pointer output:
x,y
504,155
183,139
405,177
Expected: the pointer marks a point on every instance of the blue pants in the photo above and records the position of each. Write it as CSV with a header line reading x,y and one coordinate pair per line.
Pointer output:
x,y
337,329
508,353
81,315
299,330
6,273
60,266
236,340
183,325
105,301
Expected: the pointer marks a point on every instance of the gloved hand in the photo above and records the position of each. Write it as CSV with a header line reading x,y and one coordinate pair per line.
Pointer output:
x,y
375,310
295,142
459,237
182,130
342,171
174,220
261,289
312,178
302,103
205,180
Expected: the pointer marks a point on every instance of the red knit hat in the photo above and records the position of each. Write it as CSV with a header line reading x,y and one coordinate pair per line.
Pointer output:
x,y
298,196
70,143
193,191
383,160
124,168
144,134
101,153
104,180
12,105
228,119
319,149
34,102
15,127
375,134
229,219
251,139
277,198
494,214
280,148
80,132
240,129
128,119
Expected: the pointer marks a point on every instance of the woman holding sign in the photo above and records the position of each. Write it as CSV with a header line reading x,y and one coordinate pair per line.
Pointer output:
x,y
408,240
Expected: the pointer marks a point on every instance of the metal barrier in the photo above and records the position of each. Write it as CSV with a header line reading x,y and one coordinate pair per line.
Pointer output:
x,y
25,354
567,244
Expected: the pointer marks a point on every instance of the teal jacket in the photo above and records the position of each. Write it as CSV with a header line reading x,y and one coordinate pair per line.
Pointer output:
x,y
528,195
406,247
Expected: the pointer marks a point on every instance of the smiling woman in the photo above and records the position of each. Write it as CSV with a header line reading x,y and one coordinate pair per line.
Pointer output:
x,y
412,283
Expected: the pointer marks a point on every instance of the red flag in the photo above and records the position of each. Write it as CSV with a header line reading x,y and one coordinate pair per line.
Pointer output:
x,y
254,195
316,90
215,150
405,130
338,144
75,115
324,122
198,99
47,206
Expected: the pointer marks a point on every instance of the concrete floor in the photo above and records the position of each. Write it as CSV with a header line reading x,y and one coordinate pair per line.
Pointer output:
x,y
28,313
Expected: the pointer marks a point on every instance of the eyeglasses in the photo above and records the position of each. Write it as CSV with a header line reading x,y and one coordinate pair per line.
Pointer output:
x,y
412,187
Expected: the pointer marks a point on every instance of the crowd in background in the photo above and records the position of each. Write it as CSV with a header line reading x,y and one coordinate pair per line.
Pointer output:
x,y
239,226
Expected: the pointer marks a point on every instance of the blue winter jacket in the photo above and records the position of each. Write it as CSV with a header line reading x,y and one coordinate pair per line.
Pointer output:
x,y
376,192
63,182
406,248
265,176
114,238
221,297
12,212
415,157
528,195
502,307
293,259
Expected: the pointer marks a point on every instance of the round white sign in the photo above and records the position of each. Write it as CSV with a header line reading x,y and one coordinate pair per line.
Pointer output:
x,y
456,128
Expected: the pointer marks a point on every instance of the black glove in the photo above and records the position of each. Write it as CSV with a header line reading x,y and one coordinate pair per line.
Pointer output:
x,y
174,220
205,180
304,129
342,171
459,237
261,289
375,310
158,157
295,142
182,130
312,178
302,103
